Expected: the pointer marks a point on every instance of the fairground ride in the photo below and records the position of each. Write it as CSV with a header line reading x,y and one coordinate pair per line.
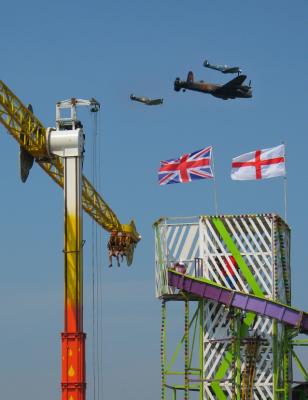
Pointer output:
x,y
237,339
59,152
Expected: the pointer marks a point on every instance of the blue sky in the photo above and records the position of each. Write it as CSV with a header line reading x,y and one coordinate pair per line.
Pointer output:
x,y
56,50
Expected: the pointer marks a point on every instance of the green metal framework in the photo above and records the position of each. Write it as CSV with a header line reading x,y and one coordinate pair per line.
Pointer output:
x,y
191,339
225,353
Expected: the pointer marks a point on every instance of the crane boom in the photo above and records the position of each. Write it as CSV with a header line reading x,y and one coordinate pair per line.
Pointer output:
x,y
31,134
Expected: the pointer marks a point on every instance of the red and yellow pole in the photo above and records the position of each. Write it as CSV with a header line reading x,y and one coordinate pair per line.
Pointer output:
x,y
68,144
73,337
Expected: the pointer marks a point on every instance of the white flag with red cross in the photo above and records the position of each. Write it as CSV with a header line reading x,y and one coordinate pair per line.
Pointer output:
x,y
260,164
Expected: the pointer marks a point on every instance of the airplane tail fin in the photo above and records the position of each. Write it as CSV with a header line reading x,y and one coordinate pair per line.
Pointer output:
x,y
190,77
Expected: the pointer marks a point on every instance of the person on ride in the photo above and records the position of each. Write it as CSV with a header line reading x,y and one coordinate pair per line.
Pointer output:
x,y
180,266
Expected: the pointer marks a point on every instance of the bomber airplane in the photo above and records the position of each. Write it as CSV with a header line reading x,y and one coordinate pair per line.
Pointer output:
x,y
223,68
230,90
147,100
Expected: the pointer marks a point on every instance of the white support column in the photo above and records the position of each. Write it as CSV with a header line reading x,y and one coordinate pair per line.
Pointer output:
x,y
73,237
68,144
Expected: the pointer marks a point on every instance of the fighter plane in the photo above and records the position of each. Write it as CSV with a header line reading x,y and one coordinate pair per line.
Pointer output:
x,y
223,68
147,100
230,90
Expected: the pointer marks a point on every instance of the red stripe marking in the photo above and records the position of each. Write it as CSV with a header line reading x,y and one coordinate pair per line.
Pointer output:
x,y
258,163
183,166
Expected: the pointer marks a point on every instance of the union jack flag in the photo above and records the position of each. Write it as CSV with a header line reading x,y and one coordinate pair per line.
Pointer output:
x,y
188,167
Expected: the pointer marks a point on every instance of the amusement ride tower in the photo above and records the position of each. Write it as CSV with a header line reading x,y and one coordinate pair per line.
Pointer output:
x,y
232,276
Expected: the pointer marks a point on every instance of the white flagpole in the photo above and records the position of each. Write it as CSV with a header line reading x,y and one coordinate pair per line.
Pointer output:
x,y
285,187
214,184
285,197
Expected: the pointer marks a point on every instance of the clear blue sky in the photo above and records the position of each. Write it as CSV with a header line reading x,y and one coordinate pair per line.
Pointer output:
x,y
109,49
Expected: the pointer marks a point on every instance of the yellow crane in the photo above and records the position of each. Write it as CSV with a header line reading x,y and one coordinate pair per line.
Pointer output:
x,y
31,135
59,151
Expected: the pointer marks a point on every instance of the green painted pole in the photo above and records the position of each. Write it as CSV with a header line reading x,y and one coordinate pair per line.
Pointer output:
x,y
186,351
201,348
275,360
286,361
163,350
238,356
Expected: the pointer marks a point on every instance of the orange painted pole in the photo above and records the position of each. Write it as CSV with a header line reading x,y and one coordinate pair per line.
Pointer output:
x,y
73,337
69,144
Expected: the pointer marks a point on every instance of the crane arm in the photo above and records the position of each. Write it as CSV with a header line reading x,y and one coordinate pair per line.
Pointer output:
x,y
30,133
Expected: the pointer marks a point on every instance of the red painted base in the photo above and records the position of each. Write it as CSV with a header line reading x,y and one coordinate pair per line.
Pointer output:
x,y
73,366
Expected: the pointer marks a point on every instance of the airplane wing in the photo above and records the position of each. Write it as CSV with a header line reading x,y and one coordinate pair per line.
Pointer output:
x,y
234,82
216,67
146,100
140,99
232,70
155,102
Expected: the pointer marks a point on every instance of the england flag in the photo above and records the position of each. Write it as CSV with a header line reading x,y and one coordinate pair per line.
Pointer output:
x,y
260,164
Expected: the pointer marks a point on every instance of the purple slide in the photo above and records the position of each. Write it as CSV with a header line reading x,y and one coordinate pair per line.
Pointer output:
x,y
243,301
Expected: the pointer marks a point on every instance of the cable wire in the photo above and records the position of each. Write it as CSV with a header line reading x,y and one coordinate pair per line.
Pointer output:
x,y
93,229
97,266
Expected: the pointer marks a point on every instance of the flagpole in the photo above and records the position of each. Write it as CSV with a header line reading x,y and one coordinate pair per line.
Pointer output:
x,y
285,197
214,184
285,186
